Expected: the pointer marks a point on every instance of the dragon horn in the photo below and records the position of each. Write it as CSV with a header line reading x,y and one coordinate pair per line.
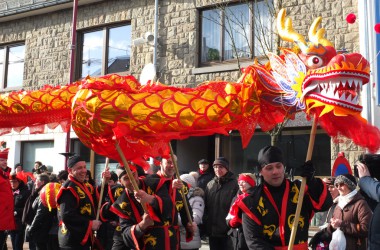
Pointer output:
x,y
286,31
317,36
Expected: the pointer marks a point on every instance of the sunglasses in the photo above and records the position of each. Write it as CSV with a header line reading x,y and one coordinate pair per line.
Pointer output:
x,y
339,184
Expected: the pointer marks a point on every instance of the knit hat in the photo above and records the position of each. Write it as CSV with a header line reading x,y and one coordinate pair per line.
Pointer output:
x,y
4,153
221,161
114,176
203,161
247,178
269,154
189,179
347,179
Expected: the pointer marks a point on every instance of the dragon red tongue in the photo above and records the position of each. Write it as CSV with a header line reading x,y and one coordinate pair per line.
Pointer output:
x,y
347,92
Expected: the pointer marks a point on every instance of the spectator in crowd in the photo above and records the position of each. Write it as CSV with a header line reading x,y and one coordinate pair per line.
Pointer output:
x,y
76,209
7,221
196,201
322,238
20,195
205,173
218,197
246,183
352,213
270,208
62,176
18,167
37,165
371,187
38,230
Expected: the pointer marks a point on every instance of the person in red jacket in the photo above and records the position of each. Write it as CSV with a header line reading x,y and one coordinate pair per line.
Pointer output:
x,y
6,199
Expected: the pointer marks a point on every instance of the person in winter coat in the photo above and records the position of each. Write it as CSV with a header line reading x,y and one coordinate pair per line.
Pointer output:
x,y
218,197
352,213
322,238
43,219
20,195
206,174
246,183
371,187
6,200
195,196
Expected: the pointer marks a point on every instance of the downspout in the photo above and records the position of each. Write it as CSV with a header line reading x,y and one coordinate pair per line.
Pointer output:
x,y
72,64
366,42
365,48
155,34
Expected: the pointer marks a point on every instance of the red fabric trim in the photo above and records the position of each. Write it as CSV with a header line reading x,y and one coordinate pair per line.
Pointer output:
x,y
302,246
322,198
135,210
173,198
110,194
118,213
84,188
151,210
88,233
167,238
282,216
101,212
248,212
135,240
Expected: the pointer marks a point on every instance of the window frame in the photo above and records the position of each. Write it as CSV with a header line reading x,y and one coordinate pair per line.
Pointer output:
x,y
106,35
5,67
223,38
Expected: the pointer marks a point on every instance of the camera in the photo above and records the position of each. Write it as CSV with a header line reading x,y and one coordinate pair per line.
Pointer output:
x,y
372,161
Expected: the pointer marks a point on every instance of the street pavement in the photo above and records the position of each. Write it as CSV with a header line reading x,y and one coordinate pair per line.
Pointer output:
x,y
26,245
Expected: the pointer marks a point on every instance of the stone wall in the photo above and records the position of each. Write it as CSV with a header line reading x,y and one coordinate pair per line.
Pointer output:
x,y
48,36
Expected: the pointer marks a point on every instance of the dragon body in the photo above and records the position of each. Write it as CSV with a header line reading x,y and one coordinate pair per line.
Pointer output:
x,y
143,119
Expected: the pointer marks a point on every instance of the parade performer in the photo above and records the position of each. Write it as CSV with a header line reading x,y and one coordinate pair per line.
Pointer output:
x,y
76,209
269,210
106,214
157,229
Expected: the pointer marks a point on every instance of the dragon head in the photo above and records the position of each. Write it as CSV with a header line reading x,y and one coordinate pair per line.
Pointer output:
x,y
333,81
329,83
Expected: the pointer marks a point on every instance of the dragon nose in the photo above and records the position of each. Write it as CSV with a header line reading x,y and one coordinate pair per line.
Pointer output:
x,y
355,59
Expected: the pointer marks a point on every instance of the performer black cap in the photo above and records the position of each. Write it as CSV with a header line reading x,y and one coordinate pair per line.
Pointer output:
x,y
270,154
203,161
74,160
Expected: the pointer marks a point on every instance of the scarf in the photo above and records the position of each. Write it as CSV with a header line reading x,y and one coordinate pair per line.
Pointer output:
x,y
343,200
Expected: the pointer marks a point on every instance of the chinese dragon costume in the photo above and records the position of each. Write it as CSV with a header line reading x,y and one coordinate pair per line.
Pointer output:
x,y
313,78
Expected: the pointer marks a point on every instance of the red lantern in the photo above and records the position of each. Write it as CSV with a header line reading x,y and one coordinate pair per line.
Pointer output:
x,y
377,28
351,18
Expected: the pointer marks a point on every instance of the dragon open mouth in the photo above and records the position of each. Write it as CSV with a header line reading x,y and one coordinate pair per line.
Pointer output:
x,y
342,91
339,83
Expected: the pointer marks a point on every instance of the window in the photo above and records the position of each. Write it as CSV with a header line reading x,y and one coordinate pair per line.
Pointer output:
x,y
105,51
11,65
42,151
234,31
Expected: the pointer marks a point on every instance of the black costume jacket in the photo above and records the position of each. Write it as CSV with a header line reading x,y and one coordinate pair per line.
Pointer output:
x,y
164,234
76,212
269,213
107,233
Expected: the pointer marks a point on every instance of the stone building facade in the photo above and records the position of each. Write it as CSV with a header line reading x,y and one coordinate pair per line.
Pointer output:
x,y
45,27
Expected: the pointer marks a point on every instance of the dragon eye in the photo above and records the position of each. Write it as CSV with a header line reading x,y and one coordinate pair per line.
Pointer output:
x,y
314,62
